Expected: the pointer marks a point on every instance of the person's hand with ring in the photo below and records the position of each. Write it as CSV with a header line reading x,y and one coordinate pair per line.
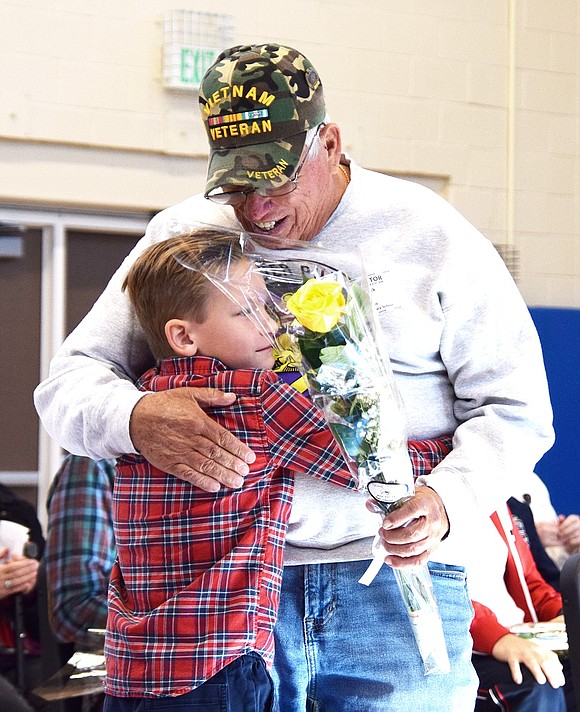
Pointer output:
x,y
17,574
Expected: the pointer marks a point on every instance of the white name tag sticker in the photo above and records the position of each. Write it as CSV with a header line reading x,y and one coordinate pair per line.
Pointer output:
x,y
381,290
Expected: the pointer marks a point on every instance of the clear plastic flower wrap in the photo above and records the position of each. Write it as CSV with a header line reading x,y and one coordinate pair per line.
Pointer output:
x,y
328,333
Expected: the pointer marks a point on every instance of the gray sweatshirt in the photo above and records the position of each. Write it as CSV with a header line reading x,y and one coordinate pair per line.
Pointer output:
x,y
463,348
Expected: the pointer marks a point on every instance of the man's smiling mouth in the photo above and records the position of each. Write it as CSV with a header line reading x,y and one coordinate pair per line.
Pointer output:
x,y
266,225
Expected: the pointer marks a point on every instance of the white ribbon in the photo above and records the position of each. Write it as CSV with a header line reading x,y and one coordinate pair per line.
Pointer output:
x,y
379,552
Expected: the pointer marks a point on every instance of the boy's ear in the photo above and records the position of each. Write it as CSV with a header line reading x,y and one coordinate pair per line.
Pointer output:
x,y
181,337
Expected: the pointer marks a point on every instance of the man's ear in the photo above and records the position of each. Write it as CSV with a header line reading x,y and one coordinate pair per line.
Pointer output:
x,y
181,337
331,140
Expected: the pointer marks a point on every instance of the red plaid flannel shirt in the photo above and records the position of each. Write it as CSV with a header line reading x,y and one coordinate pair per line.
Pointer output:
x,y
197,582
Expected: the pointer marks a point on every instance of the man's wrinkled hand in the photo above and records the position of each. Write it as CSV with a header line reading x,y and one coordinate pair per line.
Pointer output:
x,y
172,432
410,533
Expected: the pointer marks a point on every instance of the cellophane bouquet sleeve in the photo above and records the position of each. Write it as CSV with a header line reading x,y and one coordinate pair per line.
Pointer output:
x,y
350,380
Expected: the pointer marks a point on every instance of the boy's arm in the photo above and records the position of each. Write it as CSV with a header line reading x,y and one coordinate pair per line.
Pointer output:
x,y
301,440
291,417
298,435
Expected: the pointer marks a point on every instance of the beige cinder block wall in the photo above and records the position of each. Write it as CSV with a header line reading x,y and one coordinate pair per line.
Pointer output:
x,y
481,96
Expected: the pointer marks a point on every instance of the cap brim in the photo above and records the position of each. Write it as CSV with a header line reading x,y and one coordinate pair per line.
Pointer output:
x,y
261,165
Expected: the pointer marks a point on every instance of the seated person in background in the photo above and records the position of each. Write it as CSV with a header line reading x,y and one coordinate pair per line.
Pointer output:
x,y
19,554
507,589
80,549
560,534
524,518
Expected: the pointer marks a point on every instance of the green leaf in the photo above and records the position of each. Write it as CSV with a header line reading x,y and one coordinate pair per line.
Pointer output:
x,y
341,407
347,437
333,355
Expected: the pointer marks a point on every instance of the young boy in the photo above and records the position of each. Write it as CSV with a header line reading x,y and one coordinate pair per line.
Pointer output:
x,y
194,595
195,591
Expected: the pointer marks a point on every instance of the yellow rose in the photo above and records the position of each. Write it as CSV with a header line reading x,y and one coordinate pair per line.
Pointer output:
x,y
317,305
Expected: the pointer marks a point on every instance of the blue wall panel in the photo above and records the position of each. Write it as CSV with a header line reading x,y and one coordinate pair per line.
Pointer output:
x,y
559,331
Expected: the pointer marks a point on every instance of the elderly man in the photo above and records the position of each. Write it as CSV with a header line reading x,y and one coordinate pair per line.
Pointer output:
x,y
466,360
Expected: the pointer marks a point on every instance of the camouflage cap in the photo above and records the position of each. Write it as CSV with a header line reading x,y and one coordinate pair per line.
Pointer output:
x,y
256,103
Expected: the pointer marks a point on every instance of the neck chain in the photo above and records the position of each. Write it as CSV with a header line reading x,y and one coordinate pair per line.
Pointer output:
x,y
344,173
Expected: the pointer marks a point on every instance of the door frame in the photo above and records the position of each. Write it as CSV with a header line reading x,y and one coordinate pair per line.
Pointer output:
x,y
54,226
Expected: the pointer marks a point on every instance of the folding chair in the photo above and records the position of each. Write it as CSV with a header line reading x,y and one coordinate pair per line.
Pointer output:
x,y
570,589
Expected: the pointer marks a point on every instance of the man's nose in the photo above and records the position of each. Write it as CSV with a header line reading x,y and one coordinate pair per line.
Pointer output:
x,y
256,206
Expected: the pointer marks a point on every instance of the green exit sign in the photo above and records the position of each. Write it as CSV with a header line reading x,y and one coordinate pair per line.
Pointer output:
x,y
194,63
184,67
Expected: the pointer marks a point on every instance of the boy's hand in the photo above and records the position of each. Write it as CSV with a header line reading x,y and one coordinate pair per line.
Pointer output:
x,y
173,433
410,533
544,664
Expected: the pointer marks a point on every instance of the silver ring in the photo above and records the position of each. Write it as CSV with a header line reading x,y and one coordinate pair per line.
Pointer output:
x,y
8,584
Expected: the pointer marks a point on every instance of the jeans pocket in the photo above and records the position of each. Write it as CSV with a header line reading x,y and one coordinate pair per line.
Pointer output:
x,y
447,570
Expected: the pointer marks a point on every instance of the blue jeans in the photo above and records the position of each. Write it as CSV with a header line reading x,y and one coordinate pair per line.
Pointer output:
x,y
528,696
242,686
345,647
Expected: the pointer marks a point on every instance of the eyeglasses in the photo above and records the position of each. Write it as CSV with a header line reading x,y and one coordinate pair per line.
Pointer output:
x,y
233,195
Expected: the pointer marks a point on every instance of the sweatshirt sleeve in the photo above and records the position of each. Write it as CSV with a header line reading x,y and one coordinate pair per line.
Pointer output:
x,y
492,354
85,402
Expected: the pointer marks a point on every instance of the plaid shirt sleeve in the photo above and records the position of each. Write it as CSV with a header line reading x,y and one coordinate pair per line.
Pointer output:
x,y
301,440
299,437
80,547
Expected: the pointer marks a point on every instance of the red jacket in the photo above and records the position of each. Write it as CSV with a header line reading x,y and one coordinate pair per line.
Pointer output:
x,y
486,630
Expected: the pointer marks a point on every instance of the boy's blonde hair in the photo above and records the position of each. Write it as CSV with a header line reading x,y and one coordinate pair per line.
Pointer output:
x,y
161,285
